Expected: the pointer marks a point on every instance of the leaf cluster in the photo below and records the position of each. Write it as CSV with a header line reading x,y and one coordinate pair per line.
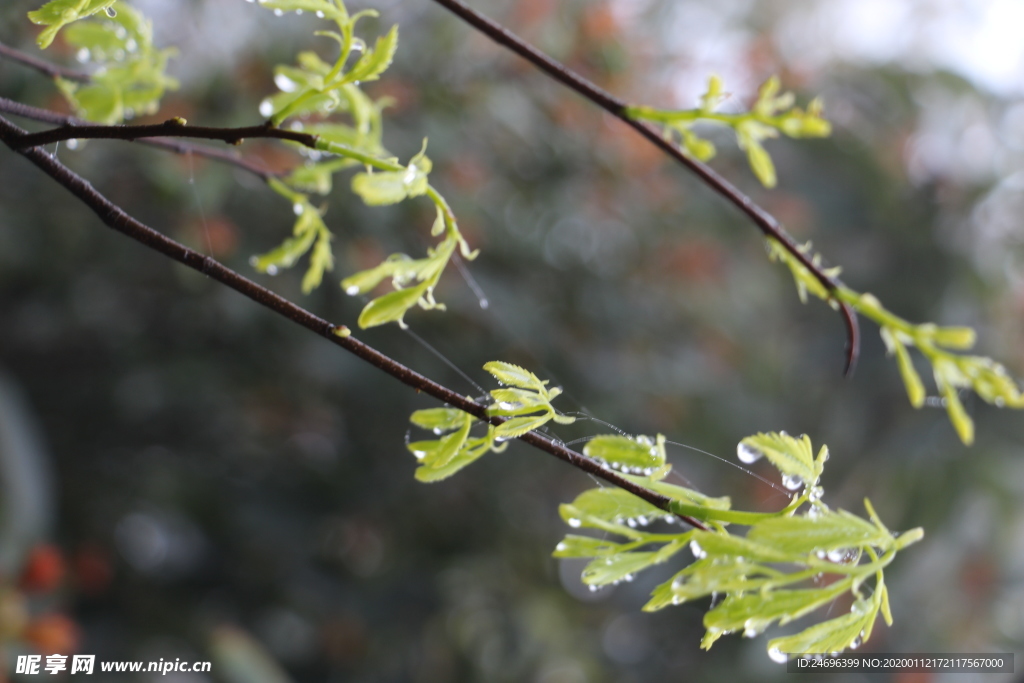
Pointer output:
x,y
524,399
938,345
772,113
131,76
313,94
788,564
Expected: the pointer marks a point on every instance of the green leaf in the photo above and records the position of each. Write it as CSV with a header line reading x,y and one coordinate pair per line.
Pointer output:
x,y
376,61
57,14
754,612
621,567
641,452
962,422
834,635
959,338
449,446
791,456
381,188
760,161
616,505
585,546
681,494
713,544
320,261
513,375
474,450
517,426
707,576
365,280
911,380
391,307
438,420
830,530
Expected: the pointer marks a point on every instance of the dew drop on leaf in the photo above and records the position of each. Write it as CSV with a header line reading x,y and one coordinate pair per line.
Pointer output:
x,y
778,655
792,482
697,551
748,455
572,521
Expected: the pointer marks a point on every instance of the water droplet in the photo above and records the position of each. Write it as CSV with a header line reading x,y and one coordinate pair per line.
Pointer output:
x,y
572,521
631,523
697,551
669,519
792,482
1000,401
437,430
111,12
83,55
560,547
419,455
593,588
485,304
72,144
842,555
351,290
319,13
856,642
410,175
266,108
628,577
815,494
284,83
278,13
748,455
271,270
298,208
778,655
644,440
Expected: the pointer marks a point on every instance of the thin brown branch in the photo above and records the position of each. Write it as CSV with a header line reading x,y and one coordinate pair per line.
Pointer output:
x,y
51,70
114,217
172,128
617,107
178,147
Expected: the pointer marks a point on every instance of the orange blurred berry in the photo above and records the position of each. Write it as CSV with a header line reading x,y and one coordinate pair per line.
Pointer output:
x,y
43,570
52,634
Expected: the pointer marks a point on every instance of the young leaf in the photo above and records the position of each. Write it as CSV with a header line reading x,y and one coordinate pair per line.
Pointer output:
x,y
754,612
391,307
615,505
829,531
834,635
517,426
640,452
585,546
791,456
507,373
376,61
614,568
449,446
438,420
57,14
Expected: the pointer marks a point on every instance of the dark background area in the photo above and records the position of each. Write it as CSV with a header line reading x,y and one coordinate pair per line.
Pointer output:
x,y
223,485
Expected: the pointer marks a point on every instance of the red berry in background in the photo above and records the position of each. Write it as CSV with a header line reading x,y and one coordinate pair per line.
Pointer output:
x,y
52,634
91,568
43,570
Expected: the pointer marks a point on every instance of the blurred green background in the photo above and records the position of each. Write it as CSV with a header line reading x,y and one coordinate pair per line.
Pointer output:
x,y
219,484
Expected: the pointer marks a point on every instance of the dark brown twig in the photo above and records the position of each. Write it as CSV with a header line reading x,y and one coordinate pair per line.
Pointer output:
x,y
173,128
171,145
51,70
114,217
617,107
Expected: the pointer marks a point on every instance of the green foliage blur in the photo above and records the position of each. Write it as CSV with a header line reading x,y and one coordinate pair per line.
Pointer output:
x,y
247,486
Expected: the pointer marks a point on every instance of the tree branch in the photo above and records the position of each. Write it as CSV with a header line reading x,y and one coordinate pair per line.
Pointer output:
x,y
51,70
114,217
47,116
617,107
174,128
